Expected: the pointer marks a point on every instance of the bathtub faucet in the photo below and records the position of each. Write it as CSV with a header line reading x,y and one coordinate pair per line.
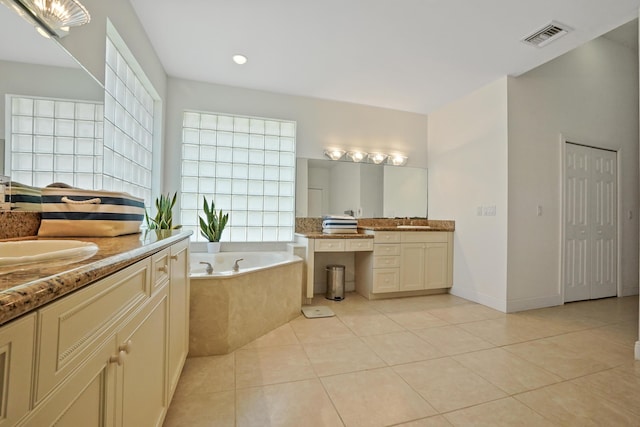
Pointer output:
x,y
236,267
209,267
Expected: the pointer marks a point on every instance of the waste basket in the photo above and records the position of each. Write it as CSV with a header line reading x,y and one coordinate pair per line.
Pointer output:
x,y
335,282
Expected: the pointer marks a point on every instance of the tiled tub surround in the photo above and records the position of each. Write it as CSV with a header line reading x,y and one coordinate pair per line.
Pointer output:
x,y
229,311
29,288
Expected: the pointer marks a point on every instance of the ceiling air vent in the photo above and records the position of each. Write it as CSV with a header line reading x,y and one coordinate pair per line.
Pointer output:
x,y
547,34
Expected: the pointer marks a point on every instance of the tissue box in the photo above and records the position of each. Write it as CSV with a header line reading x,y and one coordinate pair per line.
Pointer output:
x,y
74,212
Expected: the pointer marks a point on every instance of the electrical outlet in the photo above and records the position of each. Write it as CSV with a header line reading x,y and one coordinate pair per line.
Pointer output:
x,y
539,210
490,210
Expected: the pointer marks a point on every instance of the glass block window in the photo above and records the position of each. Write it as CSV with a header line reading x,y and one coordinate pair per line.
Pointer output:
x,y
247,166
128,128
55,140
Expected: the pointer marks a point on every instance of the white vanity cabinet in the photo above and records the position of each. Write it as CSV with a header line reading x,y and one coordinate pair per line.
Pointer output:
x,y
107,354
17,348
405,263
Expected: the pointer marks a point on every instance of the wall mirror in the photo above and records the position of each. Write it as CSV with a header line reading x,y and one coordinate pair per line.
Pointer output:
x,y
33,66
364,189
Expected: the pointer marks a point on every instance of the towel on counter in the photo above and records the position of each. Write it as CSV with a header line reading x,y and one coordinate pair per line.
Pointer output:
x,y
24,197
340,230
339,224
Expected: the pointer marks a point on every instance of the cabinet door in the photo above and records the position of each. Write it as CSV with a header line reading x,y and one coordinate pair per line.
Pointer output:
x,y
16,361
178,311
385,280
86,398
412,266
436,266
143,399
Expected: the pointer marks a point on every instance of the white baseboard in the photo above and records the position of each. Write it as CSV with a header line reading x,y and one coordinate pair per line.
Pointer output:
x,y
637,350
480,298
625,292
532,303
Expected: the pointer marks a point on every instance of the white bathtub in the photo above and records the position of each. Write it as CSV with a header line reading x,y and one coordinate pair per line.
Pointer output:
x,y
230,309
223,262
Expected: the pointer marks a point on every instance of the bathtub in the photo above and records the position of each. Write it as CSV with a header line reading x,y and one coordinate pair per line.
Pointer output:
x,y
230,309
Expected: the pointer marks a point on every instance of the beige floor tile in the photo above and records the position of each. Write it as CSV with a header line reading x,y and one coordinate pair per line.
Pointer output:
x,y
375,398
567,404
452,339
564,320
511,329
436,421
504,412
441,300
589,344
320,329
303,403
400,305
447,385
466,313
416,319
557,359
401,347
619,385
370,324
271,365
202,410
283,335
352,303
339,357
623,333
207,375
507,371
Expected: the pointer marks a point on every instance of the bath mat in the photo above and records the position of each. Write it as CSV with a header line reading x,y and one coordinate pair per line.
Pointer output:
x,y
313,311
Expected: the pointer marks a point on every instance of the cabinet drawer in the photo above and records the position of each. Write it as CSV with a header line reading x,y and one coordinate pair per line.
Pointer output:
x,y
386,280
70,327
387,237
386,261
330,245
160,272
424,236
354,245
386,250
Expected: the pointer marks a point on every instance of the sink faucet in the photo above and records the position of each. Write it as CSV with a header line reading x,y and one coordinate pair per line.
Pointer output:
x,y
209,268
236,267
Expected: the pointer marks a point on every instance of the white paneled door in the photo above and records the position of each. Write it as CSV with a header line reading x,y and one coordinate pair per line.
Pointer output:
x,y
591,236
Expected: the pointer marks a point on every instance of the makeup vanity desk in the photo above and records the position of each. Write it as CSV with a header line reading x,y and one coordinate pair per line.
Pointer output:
x,y
390,260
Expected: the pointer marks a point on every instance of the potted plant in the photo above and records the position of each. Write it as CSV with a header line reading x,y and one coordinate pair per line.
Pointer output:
x,y
164,215
212,225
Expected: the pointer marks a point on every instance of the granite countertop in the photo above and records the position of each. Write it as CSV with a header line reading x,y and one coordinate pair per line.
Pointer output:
x,y
29,287
321,235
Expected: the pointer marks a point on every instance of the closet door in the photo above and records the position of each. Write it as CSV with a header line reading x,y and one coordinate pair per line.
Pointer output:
x,y
590,247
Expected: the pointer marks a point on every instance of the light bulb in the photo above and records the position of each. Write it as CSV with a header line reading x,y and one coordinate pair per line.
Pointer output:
x,y
357,156
377,158
334,154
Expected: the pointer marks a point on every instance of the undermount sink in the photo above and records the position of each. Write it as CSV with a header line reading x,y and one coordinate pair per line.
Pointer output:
x,y
36,251
417,227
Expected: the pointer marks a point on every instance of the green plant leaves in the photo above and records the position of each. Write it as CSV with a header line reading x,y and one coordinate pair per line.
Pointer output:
x,y
213,224
164,214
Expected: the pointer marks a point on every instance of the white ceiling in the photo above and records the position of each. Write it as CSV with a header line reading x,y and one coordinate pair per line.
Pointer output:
x,y
413,55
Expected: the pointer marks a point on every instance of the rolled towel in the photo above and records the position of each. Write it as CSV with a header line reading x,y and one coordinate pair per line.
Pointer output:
x,y
339,217
329,223
339,231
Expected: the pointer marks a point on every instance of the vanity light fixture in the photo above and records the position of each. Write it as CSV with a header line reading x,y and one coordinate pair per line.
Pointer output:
x,y
239,59
377,158
334,154
52,18
357,156
397,160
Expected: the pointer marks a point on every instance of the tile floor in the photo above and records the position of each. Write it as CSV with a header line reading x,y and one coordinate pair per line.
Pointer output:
x,y
425,361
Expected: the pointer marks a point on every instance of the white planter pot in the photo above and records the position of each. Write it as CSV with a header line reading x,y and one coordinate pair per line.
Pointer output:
x,y
213,247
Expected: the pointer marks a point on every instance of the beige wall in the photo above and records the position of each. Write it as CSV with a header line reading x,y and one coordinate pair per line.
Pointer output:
x,y
589,96
468,169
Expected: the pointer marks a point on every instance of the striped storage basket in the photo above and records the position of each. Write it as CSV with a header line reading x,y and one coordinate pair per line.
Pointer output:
x,y
24,197
73,212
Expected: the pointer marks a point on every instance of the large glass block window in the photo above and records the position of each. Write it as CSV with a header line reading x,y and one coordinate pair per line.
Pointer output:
x,y
128,128
55,140
247,166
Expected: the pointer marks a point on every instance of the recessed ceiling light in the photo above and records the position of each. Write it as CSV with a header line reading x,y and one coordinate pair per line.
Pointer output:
x,y
240,59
